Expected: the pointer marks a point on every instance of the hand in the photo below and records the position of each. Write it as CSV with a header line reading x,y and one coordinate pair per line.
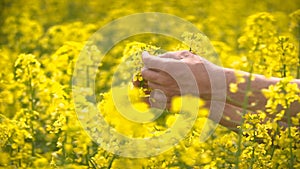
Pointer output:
x,y
180,73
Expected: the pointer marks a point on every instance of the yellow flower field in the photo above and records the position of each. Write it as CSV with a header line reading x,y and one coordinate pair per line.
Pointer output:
x,y
40,42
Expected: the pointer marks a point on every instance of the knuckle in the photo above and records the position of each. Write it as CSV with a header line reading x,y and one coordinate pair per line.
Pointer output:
x,y
185,52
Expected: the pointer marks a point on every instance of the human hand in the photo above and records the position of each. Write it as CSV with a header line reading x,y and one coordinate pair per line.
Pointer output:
x,y
180,73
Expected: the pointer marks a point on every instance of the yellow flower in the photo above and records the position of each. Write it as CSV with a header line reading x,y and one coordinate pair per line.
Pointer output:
x,y
233,87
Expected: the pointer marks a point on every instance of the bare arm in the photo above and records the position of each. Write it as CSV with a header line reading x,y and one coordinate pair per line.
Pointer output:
x,y
260,82
156,73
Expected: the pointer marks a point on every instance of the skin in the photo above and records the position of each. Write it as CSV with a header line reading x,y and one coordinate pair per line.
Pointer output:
x,y
156,73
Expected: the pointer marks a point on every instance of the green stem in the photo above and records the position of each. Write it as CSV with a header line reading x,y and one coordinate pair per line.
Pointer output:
x,y
32,108
291,161
93,163
273,138
244,111
298,66
111,161
87,156
253,150
20,160
64,142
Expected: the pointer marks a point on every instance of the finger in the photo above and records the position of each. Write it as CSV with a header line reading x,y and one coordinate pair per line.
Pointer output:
x,y
153,85
152,62
178,55
158,99
172,55
158,63
169,90
151,75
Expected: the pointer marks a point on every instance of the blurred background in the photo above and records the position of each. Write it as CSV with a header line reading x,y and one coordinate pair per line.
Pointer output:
x,y
219,20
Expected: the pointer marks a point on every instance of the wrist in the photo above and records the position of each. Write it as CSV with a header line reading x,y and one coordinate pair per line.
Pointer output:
x,y
229,76
218,78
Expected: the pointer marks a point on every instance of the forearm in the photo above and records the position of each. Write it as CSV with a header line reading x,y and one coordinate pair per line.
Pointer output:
x,y
255,100
231,116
